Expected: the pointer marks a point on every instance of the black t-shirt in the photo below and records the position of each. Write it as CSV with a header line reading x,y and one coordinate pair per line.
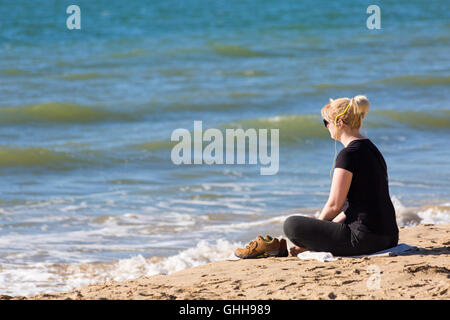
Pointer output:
x,y
370,207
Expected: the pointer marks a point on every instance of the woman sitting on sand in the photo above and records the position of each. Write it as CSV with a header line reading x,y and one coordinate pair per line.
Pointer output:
x,y
360,177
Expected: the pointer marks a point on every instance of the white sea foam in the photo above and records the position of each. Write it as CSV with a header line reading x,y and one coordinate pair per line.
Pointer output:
x,y
41,277
434,216
405,216
203,253
411,216
82,205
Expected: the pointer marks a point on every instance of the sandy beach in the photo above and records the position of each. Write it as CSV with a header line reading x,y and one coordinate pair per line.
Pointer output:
x,y
421,275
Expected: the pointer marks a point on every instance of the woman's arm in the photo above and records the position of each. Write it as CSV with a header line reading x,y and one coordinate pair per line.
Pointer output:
x,y
338,194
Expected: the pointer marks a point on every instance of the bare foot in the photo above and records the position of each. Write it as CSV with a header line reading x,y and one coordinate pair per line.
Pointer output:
x,y
296,250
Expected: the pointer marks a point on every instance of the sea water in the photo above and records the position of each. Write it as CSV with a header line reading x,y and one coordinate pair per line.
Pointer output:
x,y
88,191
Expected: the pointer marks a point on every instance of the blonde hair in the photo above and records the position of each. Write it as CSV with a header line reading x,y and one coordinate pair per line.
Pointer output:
x,y
358,107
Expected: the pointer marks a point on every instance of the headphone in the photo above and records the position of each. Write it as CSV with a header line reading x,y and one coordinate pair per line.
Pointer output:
x,y
339,115
338,125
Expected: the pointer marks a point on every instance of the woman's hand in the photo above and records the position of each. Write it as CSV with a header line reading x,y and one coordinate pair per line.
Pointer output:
x,y
340,218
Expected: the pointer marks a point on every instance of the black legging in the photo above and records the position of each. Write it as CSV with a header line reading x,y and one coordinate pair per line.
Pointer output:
x,y
337,238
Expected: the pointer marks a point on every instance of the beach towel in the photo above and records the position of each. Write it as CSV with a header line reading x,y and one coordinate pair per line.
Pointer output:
x,y
327,256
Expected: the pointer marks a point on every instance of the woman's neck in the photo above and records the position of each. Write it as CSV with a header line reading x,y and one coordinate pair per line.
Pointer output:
x,y
347,137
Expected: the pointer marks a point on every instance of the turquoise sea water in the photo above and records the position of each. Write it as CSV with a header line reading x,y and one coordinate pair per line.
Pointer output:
x,y
86,118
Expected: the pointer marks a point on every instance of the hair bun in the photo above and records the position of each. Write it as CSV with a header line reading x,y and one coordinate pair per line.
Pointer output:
x,y
361,105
